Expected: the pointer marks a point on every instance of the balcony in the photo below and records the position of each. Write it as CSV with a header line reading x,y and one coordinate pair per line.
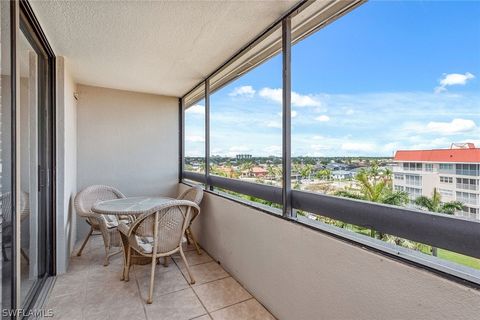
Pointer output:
x,y
128,75
91,291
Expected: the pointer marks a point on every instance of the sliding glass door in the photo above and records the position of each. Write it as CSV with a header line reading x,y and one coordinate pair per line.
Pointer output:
x,y
26,168
6,156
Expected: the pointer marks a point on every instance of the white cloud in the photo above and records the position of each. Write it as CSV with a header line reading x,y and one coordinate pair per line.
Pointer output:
x,y
358,146
454,126
453,79
194,138
271,94
425,144
196,109
298,100
274,124
239,149
273,150
323,118
245,91
383,122
349,112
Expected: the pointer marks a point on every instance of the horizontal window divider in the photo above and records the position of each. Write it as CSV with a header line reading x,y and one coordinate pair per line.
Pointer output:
x,y
438,230
262,191
257,190
194,176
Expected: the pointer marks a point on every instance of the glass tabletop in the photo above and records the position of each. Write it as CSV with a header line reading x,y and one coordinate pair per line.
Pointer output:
x,y
129,206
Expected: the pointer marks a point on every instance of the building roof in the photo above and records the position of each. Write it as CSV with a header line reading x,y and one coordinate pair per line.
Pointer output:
x,y
259,170
439,155
342,172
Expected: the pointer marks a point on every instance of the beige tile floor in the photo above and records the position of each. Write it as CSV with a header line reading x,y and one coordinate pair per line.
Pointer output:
x,y
91,291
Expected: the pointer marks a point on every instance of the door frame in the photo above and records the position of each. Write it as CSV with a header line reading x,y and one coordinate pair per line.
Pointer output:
x,y
24,21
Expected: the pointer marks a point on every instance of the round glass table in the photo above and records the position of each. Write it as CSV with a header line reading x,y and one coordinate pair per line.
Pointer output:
x,y
134,206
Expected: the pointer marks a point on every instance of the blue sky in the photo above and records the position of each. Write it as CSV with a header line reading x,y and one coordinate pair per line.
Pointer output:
x,y
387,76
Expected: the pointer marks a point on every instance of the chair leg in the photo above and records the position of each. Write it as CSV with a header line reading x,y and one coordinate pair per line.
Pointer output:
x,y
152,280
165,261
85,242
4,253
127,267
106,262
192,280
24,255
194,240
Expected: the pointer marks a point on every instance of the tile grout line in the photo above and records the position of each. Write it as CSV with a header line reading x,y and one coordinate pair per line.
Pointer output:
x,y
228,276
252,296
140,294
201,284
234,304
190,286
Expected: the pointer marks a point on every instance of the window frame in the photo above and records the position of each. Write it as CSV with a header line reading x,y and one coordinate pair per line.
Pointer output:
x,y
437,230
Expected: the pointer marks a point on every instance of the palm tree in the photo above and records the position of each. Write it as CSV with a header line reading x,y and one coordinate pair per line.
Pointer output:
x,y
375,186
306,171
247,166
325,174
434,204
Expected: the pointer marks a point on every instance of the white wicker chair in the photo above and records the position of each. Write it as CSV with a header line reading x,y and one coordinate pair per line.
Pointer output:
x,y
6,219
194,194
105,224
158,233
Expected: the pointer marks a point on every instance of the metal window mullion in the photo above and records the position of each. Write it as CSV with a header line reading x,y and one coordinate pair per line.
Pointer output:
x,y
286,118
207,133
15,153
181,138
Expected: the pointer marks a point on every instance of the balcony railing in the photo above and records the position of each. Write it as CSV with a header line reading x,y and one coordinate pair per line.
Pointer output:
x,y
467,186
467,172
466,200
438,230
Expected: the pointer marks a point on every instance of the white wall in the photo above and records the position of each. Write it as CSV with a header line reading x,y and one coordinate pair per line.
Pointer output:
x,y
66,163
127,140
299,273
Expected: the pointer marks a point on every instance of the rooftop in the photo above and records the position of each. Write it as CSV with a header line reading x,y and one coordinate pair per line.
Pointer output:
x,y
468,154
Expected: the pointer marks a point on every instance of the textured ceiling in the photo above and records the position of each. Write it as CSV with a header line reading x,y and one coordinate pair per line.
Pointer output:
x,y
161,47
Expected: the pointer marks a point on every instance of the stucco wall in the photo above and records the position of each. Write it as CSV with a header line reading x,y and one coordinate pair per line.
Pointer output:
x,y
66,163
127,140
299,273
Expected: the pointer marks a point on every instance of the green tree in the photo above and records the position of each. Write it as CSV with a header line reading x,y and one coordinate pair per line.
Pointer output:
x,y
435,204
324,174
306,171
376,186
247,166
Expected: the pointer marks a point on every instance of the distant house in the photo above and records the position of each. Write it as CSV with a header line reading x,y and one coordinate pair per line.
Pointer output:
x,y
259,172
337,166
342,174
256,172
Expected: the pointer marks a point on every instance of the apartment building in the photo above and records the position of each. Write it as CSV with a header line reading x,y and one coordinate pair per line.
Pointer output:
x,y
455,172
